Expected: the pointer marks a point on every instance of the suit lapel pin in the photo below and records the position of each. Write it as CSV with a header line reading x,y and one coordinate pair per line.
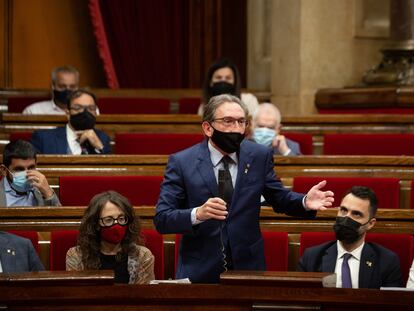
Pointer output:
x,y
369,263
11,251
247,168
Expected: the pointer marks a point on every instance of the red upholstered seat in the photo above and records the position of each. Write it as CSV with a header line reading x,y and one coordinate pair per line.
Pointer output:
x,y
368,144
401,244
31,235
79,190
189,105
275,247
386,189
17,104
27,136
154,143
130,105
276,250
60,242
155,243
304,140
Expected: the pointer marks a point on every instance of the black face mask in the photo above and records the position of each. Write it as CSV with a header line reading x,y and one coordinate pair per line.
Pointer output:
x,y
62,96
222,87
228,142
82,121
347,229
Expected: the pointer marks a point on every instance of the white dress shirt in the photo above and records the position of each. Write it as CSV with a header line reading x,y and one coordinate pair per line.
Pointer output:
x,y
353,262
44,107
73,141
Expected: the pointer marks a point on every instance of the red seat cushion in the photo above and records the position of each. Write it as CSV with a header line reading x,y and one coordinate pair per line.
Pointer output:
x,y
387,190
189,105
130,105
401,244
276,250
60,242
154,143
17,104
27,136
368,144
31,235
304,140
155,243
79,190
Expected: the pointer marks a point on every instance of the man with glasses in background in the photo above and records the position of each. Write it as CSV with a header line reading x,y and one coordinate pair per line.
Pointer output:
x,y
79,136
22,184
211,195
65,80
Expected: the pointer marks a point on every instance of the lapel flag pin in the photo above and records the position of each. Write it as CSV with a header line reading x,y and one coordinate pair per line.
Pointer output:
x,y
369,263
11,251
247,168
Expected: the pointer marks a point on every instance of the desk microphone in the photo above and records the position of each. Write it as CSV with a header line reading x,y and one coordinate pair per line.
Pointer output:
x,y
221,182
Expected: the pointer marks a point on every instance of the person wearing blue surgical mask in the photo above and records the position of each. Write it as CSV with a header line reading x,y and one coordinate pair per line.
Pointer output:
x,y
22,184
266,131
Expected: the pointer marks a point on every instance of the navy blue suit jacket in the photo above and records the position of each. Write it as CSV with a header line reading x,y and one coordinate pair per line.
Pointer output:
x,y
190,181
379,267
17,254
54,141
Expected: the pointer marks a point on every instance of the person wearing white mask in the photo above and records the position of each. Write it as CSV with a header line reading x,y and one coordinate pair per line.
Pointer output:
x,y
22,184
266,131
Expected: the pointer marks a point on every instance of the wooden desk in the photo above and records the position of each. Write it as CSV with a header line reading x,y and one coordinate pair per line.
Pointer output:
x,y
201,297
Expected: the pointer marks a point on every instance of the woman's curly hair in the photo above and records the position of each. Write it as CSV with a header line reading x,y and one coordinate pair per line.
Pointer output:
x,y
89,240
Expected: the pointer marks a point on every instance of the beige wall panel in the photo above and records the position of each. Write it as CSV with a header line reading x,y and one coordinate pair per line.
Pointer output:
x,y
49,33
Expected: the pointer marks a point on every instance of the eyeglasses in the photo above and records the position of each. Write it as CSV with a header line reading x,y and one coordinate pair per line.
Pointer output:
x,y
79,108
110,221
228,122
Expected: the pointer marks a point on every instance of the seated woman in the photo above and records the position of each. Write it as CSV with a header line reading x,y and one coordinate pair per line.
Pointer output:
x,y
223,78
107,240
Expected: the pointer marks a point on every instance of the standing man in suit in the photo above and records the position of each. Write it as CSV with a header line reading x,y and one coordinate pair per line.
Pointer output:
x,y
65,80
357,264
17,254
22,184
79,136
224,233
266,131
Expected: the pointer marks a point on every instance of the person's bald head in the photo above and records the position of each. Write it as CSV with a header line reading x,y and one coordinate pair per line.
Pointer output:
x,y
267,115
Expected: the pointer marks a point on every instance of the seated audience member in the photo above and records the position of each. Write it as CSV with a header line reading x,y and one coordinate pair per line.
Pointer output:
x,y
17,254
266,131
107,240
22,184
65,80
410,281
357,264
79,136
223,78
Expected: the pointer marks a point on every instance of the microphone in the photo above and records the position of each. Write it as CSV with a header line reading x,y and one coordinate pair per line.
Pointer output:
x,y
221,181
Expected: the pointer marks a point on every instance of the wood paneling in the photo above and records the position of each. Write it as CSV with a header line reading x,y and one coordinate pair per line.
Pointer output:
x,y
48,33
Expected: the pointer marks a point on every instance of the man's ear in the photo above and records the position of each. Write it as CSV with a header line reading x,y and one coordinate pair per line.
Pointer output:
x,y
207,129
371,223
3,170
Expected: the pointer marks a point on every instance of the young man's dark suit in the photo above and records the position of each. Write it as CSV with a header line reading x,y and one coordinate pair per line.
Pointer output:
x,y
190,181
379,267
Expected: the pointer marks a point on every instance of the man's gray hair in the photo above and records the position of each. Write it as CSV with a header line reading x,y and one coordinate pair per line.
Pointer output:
x,y
217,101
64,69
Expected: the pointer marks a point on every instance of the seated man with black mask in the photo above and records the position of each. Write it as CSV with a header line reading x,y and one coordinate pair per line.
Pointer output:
x,y
357,263
22,184
79,136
